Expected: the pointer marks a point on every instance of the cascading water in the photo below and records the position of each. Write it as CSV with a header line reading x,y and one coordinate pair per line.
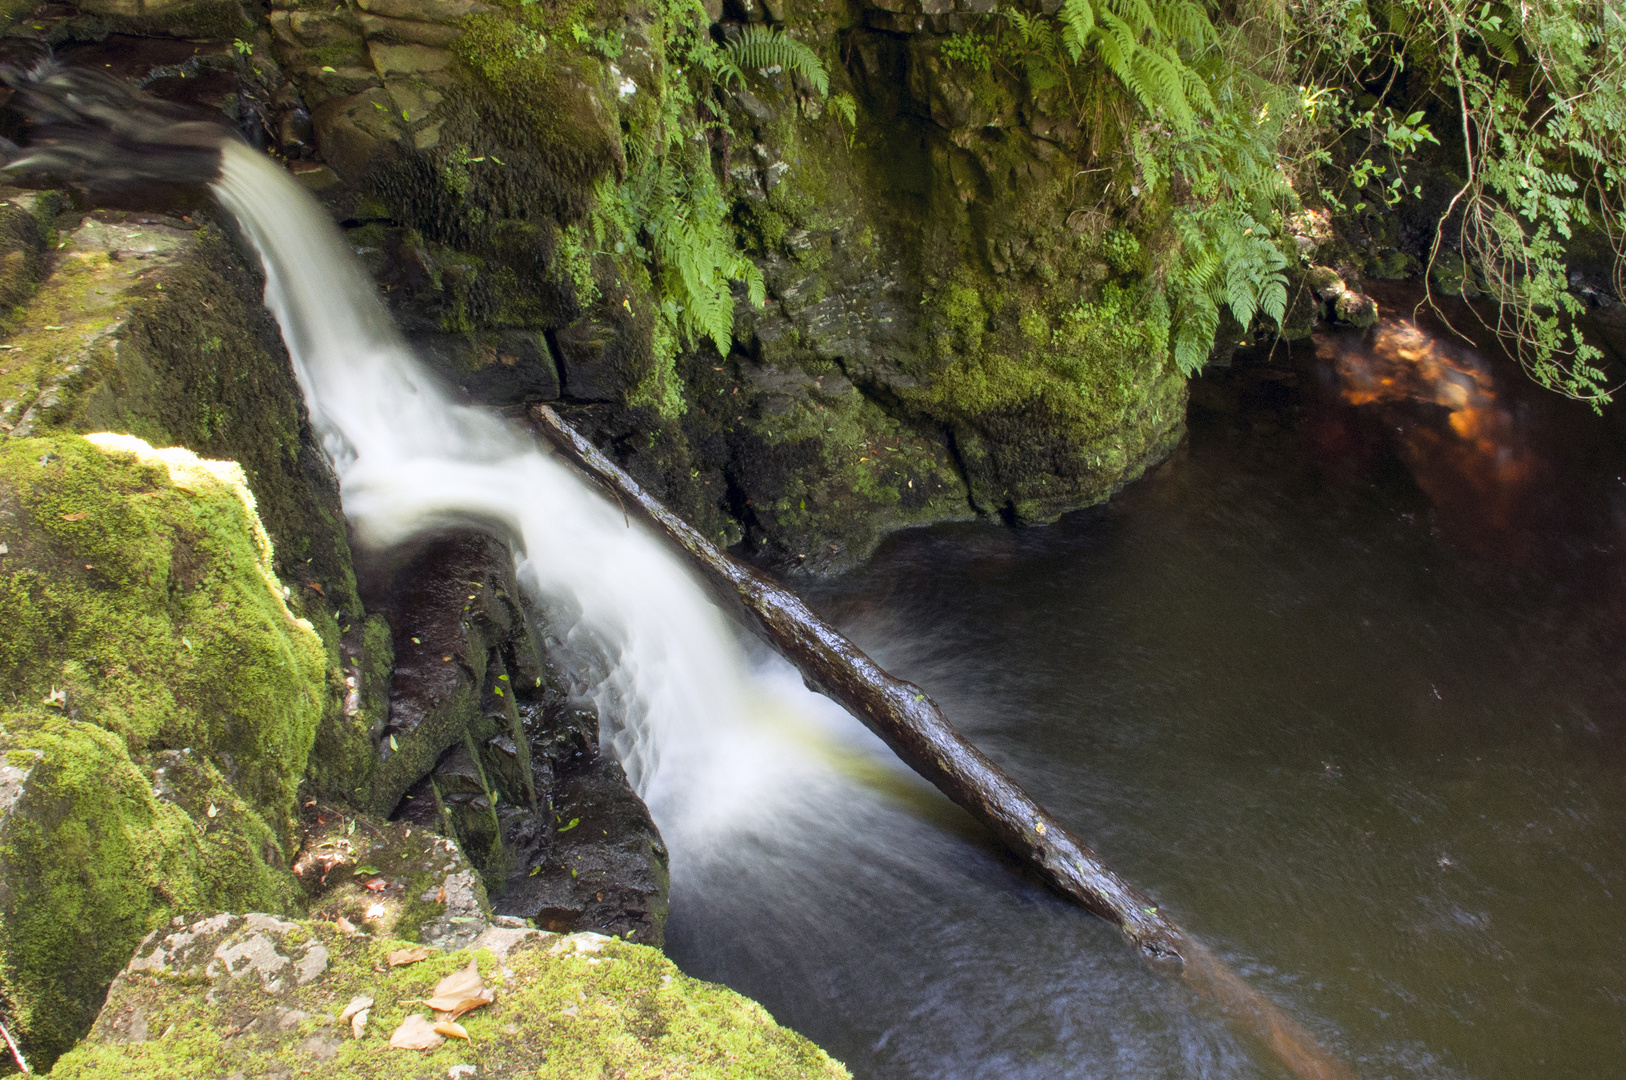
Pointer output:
x,y
1273,698
684,713
767,795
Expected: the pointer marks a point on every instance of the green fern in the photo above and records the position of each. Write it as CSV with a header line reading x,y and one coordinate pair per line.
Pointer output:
x,y
759,47
846,111
1140,42
1227,260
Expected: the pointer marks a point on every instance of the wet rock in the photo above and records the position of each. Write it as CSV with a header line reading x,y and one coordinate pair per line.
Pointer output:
x,y
453,608
605,869
1342,304
258,996
510,367
600,359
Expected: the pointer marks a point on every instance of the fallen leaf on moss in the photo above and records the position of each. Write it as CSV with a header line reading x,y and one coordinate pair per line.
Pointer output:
x,y
80,516
409,956
416,1033
452,1030
376,884
464,982
346,926
359,1003
357,1013
460,992
376,911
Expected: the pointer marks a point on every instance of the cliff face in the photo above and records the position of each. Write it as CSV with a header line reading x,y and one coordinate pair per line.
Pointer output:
x,y
953,321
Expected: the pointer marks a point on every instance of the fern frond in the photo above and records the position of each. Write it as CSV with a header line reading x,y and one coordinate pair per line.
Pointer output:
x,y
1195,338
1183,23
1273,300
1078,26
1195,91
1135,13
760,47
1161,78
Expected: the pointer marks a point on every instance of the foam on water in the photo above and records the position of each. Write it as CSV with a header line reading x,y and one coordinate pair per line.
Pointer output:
x,y
686,714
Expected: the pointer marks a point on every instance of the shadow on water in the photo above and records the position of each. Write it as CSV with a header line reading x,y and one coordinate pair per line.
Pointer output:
x,y
1339,685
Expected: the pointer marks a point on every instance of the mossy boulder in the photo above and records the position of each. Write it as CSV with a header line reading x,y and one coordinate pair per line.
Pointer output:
x,y
152,325
162,704
255,996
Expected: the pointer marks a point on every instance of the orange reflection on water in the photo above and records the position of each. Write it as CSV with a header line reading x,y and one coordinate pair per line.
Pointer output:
x,y
1469,459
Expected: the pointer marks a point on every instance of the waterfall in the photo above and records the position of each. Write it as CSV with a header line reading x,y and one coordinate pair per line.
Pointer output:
x,y
684,711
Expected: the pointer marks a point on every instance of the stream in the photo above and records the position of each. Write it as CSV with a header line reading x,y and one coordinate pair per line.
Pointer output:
x,y
1339,685
1335,685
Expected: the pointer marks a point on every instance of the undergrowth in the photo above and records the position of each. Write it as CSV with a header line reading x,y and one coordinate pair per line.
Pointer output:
x,y
670,210
1229,113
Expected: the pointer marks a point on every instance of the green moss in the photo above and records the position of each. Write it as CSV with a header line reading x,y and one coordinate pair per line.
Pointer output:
x,y
623,1011
168,704
147,597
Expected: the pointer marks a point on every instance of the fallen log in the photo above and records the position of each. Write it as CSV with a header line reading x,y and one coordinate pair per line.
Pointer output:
x,y
912,725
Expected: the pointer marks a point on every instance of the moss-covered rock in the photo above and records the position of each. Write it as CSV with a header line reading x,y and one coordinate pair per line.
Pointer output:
x,y
152,325
390,878
162,704
255,996
946,333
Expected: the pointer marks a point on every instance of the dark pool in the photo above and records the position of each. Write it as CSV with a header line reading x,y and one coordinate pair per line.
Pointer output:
x,y
1340,685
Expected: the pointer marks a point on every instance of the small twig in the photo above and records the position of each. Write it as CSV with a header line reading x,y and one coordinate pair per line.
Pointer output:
x,y
16,1052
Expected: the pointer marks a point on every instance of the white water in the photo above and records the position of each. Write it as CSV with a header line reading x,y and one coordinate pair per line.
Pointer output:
x,y
685,713
817,857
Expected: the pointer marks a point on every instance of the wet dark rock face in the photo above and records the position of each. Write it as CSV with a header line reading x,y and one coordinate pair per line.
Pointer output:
x,y
605,868
482,745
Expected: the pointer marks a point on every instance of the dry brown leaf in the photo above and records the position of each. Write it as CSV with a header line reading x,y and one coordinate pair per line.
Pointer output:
x,y
80,516
463,983
467,1005
357,1004
409,956
460,992
416,1033
358,1023
454,1030
346,926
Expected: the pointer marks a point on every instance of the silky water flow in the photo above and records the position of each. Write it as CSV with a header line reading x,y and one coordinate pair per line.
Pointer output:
x,y
777,808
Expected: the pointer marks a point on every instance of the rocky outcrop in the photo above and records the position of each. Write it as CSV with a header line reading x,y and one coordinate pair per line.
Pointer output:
x,y
257,996
161,703
943,336
151,325
483,745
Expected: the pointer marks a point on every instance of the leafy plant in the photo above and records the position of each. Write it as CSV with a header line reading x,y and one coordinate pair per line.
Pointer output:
x,y
1231,263
1140,42
846,111
759,47
1537,95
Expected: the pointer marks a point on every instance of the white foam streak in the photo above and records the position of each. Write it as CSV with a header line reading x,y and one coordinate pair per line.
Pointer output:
x,y
689,720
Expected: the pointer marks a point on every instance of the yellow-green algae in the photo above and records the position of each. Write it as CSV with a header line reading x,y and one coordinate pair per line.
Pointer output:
x,y
623,1011
160,698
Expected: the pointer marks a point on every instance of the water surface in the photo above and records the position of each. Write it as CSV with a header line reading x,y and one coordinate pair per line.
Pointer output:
x,y
1339,685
